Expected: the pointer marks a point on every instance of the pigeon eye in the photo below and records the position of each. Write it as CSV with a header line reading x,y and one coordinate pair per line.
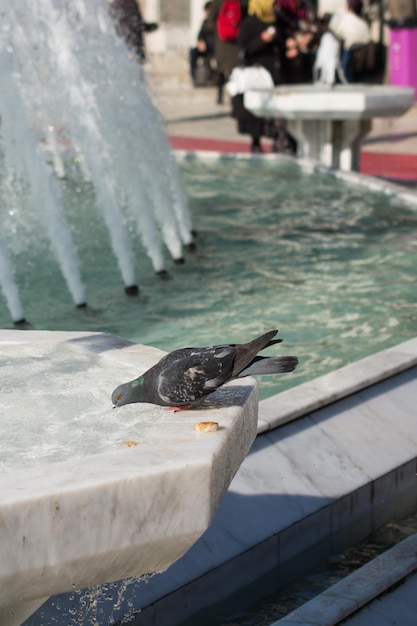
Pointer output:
x,y
118,398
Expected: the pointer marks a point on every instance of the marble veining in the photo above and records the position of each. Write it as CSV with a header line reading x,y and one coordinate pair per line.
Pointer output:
x,y
93,508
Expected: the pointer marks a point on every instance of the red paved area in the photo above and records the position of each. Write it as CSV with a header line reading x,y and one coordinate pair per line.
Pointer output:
x,y
211,145
388,165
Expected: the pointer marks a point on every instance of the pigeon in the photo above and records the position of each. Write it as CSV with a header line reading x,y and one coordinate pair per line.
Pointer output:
x,y
182,378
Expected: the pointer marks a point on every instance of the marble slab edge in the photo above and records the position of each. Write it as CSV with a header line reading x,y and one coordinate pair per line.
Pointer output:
x,y
351,177
315,394
358,589
216,155
309,166
272,564
306,164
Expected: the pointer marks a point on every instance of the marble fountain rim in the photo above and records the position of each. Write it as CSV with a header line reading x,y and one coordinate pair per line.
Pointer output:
x,y
78,500
126,462
274,411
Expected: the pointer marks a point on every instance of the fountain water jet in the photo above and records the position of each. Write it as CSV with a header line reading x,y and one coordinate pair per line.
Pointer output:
x,y
82,96
9,288
24,158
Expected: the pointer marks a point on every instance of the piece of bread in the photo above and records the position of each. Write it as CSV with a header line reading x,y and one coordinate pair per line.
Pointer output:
x,y
207,427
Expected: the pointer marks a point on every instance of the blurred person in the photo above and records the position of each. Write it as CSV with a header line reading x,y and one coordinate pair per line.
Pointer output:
x,y
226,47
261,44
131,26
205,47
353,32
301,39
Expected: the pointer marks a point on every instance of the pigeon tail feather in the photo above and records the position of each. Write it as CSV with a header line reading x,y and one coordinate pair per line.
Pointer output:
x,y
246,352
270,365
273,342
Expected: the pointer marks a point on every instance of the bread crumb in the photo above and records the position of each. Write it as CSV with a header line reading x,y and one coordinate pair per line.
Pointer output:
x,y
207,427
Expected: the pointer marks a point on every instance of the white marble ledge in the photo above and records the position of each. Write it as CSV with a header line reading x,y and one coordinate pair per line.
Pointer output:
x,y
312,395
309,166
409,196
89,494
338,102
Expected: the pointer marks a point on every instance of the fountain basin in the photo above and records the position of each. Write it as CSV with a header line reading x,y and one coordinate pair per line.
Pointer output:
x,y
89,494
330,122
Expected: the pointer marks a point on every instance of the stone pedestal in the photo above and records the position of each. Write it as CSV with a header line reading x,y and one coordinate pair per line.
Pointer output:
x,y
335,143
330,122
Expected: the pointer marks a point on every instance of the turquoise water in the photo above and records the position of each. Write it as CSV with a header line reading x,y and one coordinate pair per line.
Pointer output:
x,y
330,265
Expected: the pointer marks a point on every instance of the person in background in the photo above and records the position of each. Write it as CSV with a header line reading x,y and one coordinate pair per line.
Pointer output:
x,y
301,35
205,44
327,68
261,43
131,26
226,50
353,32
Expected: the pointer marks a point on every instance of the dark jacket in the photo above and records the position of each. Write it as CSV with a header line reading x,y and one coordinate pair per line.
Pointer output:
x,y
206,34
255,51
130,25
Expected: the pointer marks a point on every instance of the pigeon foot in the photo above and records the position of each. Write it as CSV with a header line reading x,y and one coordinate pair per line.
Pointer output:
x,y
176,409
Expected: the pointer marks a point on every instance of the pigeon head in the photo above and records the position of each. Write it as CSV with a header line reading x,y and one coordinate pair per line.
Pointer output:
x,y
128,393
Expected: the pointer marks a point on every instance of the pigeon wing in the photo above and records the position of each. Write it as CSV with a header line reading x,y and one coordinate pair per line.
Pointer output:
x,y
193,373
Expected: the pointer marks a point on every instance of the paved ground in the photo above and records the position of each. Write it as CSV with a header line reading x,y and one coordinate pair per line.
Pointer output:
x,y
194,121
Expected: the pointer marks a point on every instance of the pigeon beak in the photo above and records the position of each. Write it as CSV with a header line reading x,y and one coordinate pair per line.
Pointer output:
x,y
114,406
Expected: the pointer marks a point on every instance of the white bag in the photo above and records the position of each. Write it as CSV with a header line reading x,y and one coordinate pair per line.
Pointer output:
x,y
244,79
327,62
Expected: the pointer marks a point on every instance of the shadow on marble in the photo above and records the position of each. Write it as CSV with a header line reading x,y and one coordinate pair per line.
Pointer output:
x,y
108,606
102,342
